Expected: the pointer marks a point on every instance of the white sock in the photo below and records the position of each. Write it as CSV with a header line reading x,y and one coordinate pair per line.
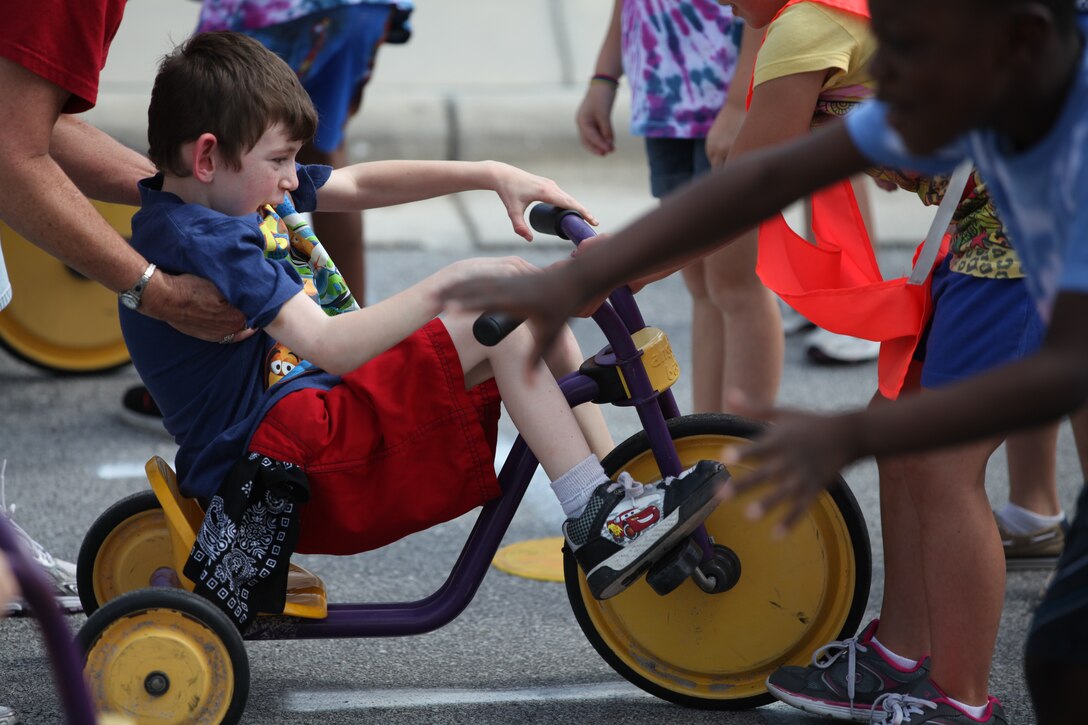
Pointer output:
x,y
974,711
1019,520
899,661
574,487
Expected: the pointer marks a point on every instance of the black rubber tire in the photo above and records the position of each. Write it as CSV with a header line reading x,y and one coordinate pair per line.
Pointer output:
x,y
106,524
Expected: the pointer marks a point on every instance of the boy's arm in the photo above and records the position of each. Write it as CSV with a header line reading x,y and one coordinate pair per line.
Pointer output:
x,y
386,183
691,222
805,451
341,343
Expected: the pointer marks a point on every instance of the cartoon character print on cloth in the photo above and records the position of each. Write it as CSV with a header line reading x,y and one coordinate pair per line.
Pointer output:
x,y
287,235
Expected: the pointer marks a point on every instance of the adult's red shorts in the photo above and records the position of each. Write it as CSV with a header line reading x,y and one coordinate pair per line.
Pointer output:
x,y
397,447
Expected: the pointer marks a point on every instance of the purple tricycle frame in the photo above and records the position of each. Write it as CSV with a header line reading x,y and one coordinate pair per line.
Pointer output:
x,y
65,658
618,319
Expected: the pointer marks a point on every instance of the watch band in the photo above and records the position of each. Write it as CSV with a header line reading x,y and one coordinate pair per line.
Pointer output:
x,y
131,297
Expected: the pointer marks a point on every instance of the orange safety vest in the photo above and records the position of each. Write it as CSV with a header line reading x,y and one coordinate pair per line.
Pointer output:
x,y
836,282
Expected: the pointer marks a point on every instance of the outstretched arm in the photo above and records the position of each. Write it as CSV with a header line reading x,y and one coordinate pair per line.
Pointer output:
x,y
386,183
805,451
43,204
693,221
341,343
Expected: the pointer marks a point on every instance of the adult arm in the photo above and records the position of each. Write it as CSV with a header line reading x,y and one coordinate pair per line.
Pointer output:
x,y
804,451
101,167
44,205
386,183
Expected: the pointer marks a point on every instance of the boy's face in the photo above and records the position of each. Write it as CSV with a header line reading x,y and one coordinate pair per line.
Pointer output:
x,y
938,67
755,13
267,170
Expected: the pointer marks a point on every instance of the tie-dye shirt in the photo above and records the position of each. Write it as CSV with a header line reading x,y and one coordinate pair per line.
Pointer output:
x,y
256,14
679,58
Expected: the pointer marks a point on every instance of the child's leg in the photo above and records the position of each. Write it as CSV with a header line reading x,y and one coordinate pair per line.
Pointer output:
x,y
707,351
904,612
535,403
963,568
615,529
1033,477
753,343
565,357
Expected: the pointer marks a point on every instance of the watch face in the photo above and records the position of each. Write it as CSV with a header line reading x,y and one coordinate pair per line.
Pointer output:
x,y
130,300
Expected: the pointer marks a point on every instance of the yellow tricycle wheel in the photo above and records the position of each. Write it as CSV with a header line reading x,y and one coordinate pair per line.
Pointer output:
x,y
127,548
58,319
165,656
792,595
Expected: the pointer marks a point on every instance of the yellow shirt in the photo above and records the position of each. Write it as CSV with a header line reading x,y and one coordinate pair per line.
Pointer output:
x,y
810,37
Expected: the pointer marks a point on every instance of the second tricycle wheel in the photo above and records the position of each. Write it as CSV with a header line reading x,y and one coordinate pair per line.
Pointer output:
x,y
785,598
165,656
125,549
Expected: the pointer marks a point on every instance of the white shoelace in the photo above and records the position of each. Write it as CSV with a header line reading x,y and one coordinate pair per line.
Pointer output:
x,y
632,489
832,651
895,708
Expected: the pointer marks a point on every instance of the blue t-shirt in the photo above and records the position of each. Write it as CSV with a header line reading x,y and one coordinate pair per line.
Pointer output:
x,y
1041,193
213,396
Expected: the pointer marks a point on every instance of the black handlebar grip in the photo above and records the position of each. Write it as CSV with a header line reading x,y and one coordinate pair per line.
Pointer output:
x,y
546,218
491,327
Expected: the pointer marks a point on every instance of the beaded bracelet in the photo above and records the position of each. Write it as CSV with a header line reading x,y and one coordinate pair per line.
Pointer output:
x,y
604,78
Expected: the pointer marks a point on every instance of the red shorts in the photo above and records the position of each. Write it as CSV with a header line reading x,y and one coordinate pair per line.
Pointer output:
x,y
397,447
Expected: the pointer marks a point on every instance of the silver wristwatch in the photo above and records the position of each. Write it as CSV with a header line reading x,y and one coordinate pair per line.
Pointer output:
x,y
130,298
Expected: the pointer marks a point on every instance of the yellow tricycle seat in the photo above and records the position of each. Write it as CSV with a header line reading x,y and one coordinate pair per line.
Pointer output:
x,y
306,596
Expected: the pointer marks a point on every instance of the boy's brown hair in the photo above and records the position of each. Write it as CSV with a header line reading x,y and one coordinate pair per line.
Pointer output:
x,y
229,85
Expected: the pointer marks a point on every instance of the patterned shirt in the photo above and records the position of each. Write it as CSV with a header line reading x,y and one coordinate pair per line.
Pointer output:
x,y
679,58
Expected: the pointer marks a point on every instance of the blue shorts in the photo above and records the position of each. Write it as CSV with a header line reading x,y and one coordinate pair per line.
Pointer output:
x,y
332,52
977,324
674,162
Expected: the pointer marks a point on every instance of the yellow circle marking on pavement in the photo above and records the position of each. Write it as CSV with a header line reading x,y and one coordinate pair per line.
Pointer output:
x,y
540,559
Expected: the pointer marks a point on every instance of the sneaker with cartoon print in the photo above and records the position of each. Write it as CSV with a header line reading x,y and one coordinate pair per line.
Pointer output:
x,y
627,526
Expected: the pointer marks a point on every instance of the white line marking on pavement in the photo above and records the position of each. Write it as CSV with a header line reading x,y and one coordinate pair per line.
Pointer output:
x,y
407,698
121,470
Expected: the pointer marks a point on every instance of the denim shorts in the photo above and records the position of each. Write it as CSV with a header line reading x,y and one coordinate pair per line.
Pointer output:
x,y
977,324
674,162
332,52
